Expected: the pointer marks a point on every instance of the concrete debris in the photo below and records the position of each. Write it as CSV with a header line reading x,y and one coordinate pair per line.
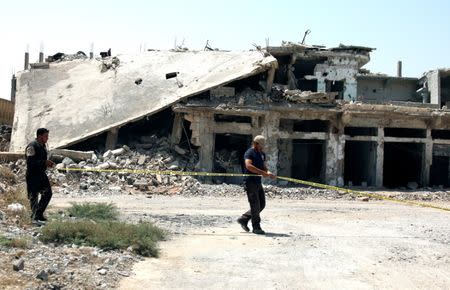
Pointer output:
x,y
16,207
105,54
141,159
5,137
180,150
58,57
110,63
102,271
77,156
67,161
298,96
222,92
363,198
18,265
42,275
412,185
227,159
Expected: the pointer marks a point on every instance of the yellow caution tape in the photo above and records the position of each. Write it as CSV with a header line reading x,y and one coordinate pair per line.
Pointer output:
x,y
294,180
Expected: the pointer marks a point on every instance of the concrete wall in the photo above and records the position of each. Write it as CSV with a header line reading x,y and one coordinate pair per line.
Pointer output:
x,y
6,112
338,69
434,87
383,90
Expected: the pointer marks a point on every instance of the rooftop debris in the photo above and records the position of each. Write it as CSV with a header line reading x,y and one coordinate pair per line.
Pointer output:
x,y
299,96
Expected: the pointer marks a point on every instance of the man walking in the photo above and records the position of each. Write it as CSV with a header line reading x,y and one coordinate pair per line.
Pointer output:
x,y
37,180
255,164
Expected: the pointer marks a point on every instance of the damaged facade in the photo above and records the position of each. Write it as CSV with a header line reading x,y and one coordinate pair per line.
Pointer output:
x,y
325,118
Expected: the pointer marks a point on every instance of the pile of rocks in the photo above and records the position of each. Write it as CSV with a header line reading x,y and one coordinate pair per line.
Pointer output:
x,y
109,63
5,137
47,266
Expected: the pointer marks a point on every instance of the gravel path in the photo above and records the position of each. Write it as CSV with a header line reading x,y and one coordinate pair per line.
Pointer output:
x,y
311,244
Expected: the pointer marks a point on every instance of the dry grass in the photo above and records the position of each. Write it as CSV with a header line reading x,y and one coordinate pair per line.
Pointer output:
x,y
7,175
18,195
21,243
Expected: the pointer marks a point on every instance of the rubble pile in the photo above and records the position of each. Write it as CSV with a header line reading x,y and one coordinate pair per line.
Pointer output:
x,y
46,266
5,137
299,96
109,63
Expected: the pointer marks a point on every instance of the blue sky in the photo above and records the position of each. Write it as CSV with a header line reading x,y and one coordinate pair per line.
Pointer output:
x,y
416,32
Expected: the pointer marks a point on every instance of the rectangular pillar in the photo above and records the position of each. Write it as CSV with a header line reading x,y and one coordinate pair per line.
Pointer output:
x,y
111,139
335,152
427,159
177,129
206,141
321,85
380,158
27,61
350,89
271,132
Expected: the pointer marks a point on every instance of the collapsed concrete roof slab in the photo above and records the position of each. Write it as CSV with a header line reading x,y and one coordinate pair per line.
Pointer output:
x,y
75,100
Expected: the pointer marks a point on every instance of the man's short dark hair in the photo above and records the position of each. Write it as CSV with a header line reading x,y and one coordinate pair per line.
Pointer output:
x,y
41,131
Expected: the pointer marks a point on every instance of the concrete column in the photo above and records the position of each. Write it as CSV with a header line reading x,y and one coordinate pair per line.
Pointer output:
x,y
434,87
291,80
41,57
399,69
111,139
270,78
271,132
335,151
27,61
285,158
380,158
321,85
350,90
13,88
427,159
177,129
206,142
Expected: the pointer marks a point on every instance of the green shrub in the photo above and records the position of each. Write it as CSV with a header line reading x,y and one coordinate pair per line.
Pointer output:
x,y
107,235
14,243
94,211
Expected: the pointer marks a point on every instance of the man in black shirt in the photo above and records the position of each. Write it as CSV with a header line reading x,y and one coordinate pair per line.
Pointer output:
x,y
255,164
37,180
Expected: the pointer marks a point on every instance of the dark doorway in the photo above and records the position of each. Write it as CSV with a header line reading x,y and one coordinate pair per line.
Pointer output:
x,y
439,171
402,163
229,155
308,160
335,86
360,162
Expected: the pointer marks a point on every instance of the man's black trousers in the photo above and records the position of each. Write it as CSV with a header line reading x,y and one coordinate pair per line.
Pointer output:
x,y
36,185
257,200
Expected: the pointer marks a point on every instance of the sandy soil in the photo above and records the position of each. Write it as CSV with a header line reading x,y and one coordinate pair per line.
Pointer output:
x,y
311,244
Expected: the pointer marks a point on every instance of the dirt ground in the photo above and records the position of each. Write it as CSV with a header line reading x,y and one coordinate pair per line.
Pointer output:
x,y
310,244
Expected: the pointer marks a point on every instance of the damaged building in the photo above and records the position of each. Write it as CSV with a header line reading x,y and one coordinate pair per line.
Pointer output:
x,y
325,117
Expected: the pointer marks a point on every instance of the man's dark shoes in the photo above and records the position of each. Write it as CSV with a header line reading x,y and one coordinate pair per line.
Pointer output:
x,y
37,222
259,232
243,224
41,218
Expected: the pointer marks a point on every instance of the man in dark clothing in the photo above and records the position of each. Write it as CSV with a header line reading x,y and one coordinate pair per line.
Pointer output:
x,y
37,180
255,164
